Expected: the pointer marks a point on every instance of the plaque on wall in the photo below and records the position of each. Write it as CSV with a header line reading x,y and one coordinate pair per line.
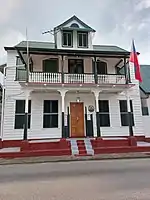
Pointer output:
x,y
91,108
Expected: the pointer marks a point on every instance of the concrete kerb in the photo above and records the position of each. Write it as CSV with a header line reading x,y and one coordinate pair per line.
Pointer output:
x,y
46,159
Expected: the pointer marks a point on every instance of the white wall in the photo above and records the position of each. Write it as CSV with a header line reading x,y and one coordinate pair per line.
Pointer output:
x,y
37,131
75,43
15,91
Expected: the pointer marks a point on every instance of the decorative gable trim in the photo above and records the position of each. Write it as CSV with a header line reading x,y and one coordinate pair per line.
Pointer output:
x,y
74,18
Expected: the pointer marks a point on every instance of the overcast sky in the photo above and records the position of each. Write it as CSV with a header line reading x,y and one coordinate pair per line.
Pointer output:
x,y
116,21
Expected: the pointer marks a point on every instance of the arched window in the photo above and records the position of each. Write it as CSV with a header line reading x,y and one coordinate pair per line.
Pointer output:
x,y
101,67
74,25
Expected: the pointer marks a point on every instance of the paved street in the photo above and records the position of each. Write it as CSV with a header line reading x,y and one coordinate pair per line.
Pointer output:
x,y
87,180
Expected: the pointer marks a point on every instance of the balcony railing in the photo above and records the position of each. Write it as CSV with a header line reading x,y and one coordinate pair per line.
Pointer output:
x,y
111,79
56,78
79,78
40,77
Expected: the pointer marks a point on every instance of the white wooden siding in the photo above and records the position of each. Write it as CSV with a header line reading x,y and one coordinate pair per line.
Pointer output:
x,y
15,91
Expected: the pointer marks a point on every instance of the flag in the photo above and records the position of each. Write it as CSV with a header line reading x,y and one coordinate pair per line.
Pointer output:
x,y
134,60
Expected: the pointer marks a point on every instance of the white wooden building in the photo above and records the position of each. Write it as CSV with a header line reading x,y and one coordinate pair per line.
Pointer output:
x,y
70,88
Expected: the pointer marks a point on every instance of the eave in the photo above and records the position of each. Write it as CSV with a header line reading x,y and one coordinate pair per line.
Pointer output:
x,y
78,52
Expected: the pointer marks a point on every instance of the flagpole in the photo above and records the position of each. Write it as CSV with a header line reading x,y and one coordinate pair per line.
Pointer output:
x,y
25,135
129,115
27,55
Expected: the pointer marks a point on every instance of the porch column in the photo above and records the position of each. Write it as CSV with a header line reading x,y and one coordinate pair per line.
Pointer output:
x,y
27,94
63,93
129,115
96,94
95,71
62,69
126,71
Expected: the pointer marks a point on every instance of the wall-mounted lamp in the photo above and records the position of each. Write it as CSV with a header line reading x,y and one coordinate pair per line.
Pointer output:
x,y
78,99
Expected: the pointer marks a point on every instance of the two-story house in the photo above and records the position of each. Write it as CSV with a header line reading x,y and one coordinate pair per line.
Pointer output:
x,y
69,88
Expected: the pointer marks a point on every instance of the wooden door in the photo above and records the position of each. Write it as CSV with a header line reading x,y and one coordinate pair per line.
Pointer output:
x,y
77,119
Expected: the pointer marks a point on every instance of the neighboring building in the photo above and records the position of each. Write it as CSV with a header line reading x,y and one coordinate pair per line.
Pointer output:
x,y
71,88
145,98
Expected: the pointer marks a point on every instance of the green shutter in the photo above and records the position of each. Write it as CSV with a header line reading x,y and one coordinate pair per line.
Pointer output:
x,y
50,66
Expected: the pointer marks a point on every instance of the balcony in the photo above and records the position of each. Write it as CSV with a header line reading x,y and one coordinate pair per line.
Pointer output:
x,y
67,78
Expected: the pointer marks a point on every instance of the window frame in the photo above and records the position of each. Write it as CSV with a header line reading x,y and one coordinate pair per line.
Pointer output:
x,y
76,66
87,43
99,66
66,45
144,107
125,113
50,59
103,113
50,114
22,114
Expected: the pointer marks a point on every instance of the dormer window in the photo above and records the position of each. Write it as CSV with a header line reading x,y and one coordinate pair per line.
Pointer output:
x,y
82,39
67,39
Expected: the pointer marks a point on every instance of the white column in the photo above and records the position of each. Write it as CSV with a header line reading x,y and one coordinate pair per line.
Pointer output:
x,y
27,94
96,94
63,93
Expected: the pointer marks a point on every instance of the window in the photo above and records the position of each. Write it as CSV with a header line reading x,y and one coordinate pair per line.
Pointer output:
x,y
20,114
75,66
50,115
50,65
82,39
124,113
74,25
101,67
18,61
144,106
67,38
104,113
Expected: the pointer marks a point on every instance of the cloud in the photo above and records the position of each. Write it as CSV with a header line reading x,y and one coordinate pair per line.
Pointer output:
x,y
7,8
10,38
116,21
143,4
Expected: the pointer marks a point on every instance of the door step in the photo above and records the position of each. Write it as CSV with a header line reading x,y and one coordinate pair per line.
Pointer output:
x,y
81,147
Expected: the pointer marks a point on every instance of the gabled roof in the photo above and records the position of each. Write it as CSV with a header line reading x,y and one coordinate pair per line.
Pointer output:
x,y
76,19
51,46
145,84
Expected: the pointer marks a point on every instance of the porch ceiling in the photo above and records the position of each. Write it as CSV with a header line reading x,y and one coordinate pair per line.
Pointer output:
x,y
53,89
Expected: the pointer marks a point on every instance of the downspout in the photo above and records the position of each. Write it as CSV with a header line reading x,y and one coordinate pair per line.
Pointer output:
x,y
3,104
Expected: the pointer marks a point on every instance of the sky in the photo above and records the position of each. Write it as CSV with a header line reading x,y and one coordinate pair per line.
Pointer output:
x,y
116,22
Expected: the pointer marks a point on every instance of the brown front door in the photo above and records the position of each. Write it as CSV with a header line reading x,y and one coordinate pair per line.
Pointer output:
x,y
77,119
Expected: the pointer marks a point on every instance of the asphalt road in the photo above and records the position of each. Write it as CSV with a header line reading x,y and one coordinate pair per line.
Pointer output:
x,y
87,180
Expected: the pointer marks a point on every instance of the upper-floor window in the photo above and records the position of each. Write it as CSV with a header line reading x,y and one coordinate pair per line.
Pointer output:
x,y
67,38
18,61
82,39
50,65
101,67
75,66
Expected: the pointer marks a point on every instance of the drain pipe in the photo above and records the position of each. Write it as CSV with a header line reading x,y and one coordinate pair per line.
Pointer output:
x,y
3,103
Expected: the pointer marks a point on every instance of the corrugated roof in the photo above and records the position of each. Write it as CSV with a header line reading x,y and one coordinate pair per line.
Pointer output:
x,y
36,44
145,84
50,45
108,48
